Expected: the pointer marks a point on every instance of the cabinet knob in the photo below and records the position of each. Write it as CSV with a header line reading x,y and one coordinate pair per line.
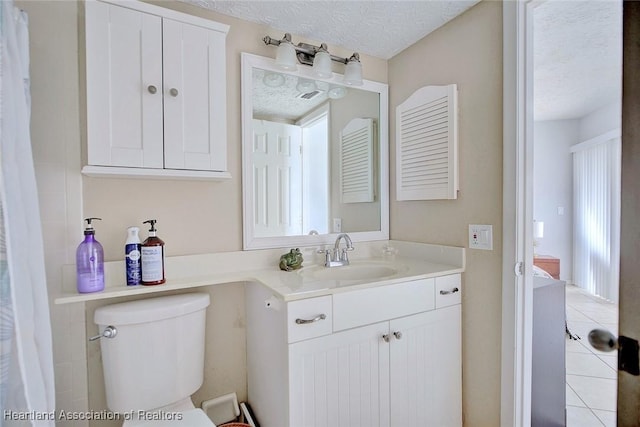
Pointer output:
x,y
386,338
397,334
173,91
453,291
152,89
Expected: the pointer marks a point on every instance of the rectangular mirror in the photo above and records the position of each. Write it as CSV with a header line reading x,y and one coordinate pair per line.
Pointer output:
x,y
315,156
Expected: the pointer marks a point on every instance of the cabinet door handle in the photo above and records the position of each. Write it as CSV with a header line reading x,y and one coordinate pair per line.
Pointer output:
x,y
314,320
453,291
397,334
152,89
173,91
386,338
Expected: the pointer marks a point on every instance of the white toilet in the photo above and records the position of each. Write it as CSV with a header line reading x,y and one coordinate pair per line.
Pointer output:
x,y
154,361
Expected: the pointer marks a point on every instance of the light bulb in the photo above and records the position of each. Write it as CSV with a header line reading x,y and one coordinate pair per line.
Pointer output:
x,y
353,73
273,79
286,56
337,92
305,86
322,65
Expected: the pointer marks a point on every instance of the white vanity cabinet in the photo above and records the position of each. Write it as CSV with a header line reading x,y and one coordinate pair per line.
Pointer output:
x,y
156,90
385,356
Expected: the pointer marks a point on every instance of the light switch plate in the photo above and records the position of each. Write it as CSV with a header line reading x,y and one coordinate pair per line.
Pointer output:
x,y
337,225
481,237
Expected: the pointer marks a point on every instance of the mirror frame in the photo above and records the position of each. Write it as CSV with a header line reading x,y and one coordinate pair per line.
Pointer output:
x,y
250,242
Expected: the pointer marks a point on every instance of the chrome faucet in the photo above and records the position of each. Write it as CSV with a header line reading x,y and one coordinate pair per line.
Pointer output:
x,y
337,257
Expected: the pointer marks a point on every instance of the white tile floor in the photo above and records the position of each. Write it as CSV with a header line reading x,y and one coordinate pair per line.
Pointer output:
x,y
591,374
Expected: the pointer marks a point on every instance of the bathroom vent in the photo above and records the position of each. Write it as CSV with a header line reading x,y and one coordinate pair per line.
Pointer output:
x,y
427,144
309,95
357,165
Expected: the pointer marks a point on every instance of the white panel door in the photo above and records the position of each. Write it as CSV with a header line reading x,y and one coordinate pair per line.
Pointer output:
x,y
340,380
124,87
426,369
277,175
194,97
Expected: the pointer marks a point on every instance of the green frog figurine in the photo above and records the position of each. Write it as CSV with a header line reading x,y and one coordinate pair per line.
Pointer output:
x,y
291,261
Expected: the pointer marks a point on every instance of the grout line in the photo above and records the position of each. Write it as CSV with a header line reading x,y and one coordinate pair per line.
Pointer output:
x,y
597,417
578,296
576,393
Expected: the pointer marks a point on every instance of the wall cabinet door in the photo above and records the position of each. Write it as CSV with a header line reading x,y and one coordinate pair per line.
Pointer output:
x,y
124,87
340,380
425,369
156,89
194,97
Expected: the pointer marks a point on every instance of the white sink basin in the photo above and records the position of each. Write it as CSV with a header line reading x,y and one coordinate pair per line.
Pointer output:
x,y
360,271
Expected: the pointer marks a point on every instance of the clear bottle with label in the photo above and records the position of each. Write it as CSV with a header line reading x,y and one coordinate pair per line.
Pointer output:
x,y
132,261
90,262
152,255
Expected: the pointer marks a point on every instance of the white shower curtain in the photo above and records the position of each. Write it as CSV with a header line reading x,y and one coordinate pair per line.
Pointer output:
x,y
26,359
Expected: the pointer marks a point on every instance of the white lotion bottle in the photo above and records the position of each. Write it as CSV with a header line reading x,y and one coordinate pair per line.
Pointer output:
x,y
132,261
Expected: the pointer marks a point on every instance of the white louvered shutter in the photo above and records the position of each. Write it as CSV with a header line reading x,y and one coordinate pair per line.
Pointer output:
x,y
357,166
427,144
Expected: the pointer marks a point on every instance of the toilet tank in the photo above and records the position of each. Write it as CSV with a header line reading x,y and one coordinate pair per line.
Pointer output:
x,y
157,355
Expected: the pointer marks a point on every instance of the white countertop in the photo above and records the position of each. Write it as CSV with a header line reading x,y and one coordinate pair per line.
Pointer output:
x,y
414,261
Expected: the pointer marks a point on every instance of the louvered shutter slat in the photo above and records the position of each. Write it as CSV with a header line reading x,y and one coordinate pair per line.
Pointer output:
x,y
357,168
426,145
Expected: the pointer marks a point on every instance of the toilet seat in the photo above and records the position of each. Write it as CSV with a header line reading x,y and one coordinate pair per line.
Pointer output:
x,y
191,418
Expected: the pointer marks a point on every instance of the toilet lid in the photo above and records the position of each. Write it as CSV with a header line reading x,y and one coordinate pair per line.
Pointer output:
x,y
191,418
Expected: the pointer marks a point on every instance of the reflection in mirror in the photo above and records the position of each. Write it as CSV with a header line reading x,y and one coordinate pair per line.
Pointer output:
x,y
314,161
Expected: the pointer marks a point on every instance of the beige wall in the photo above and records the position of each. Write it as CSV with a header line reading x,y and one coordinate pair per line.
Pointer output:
x,y
197,217
193,217
467,51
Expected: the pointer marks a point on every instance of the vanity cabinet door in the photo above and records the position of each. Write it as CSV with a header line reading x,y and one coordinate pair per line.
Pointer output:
x,y
425,369
124,86
340,380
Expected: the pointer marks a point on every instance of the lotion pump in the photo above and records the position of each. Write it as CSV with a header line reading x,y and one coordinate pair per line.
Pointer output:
x,y
152,257
90,262
132,261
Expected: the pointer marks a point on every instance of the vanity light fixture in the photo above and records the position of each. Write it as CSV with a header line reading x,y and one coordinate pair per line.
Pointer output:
x,y
317,56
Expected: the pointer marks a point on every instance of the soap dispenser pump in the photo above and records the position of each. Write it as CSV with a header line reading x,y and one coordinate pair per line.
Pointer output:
x,y
152,252
90,262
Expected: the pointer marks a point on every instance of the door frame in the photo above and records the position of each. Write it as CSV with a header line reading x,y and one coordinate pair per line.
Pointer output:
x,y
517,256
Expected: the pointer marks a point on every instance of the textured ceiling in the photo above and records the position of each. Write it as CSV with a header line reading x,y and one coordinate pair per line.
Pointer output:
x,y
377,28
577,44
577,57
284,103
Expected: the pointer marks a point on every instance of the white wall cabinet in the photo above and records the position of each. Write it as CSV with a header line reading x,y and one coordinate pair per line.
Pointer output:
x,y
156,92
393,360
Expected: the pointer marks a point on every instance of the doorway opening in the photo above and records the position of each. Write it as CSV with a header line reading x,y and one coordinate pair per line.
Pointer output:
x,y
577,73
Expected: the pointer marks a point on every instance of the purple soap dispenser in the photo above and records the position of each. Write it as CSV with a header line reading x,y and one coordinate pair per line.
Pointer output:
x,y
90,262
